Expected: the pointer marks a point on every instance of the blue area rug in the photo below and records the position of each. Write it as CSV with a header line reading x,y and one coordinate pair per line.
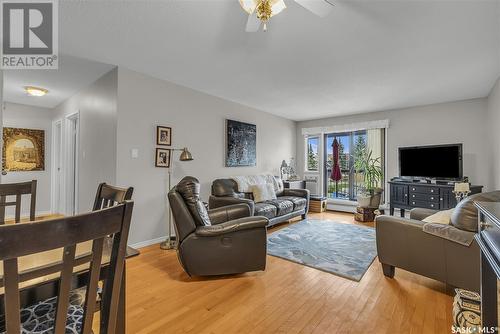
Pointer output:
x,y
342,249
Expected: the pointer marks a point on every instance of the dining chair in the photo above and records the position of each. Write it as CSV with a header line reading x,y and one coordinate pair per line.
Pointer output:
x,y
18,190
108,196
60,314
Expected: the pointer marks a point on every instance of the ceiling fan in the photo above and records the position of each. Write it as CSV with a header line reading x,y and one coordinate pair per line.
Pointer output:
x,y
261,11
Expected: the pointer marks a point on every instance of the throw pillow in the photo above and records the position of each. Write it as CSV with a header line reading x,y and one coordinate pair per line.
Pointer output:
x,y
465,215
263,192
440,217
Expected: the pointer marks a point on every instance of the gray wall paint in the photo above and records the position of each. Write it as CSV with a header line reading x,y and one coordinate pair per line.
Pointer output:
x,y
494,131
197,121
97,154
454,122
29,117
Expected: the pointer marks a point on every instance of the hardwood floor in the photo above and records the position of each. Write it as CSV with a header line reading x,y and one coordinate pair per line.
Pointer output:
x,y
285,298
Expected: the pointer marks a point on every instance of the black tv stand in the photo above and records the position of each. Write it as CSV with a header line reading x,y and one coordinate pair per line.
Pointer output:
x,y
409,195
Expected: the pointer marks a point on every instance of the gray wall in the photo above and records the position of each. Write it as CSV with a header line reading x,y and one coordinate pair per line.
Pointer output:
x,y
454,122
494,131
97,153
197,122
30,117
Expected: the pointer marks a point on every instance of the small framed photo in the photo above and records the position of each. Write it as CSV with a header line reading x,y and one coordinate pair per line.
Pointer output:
x,y
162,157
163,135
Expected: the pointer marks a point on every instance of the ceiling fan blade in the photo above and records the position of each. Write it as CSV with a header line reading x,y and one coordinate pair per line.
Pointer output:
x,y
253,23
319,7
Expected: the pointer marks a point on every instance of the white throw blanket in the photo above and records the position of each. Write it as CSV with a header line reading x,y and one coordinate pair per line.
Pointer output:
x,y
245,183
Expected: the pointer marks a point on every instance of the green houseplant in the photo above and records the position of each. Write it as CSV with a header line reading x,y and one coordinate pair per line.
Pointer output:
x,y
370,169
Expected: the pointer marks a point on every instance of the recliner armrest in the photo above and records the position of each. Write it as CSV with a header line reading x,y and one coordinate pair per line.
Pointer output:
x,y
232,226
296,192
420,213
393,223
230,212
219,201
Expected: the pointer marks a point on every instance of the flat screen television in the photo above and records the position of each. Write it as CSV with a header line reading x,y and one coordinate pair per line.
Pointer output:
x,y
442,162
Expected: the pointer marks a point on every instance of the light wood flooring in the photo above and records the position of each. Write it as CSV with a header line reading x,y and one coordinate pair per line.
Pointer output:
x,y
285,298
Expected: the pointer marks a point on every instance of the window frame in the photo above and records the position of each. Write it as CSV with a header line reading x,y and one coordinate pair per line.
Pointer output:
x,y
306,153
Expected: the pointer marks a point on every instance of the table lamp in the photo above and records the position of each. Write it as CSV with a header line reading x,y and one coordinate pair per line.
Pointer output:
x,y
461,190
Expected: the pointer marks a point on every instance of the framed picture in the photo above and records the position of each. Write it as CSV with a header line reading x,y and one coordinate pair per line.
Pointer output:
x,y
162,157
241,144
23,150
163,135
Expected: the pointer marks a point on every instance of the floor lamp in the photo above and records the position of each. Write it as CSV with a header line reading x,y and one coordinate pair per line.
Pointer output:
x,y
185,156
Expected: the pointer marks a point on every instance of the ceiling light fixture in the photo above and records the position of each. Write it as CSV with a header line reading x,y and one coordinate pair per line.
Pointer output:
x,y
264,9
35,91
261,11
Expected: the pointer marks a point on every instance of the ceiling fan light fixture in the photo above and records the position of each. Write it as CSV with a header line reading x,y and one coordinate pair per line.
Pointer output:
x,y
35,91
250,6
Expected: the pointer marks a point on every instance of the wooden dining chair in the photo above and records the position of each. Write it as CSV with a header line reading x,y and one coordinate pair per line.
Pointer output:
x,y
17,190
108,196
58,315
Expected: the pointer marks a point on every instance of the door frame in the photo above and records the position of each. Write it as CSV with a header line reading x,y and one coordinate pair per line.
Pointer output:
x,y
68,121
57,183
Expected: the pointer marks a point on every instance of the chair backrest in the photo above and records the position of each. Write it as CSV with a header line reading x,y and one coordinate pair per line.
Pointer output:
x,y
17,190
108,196
35,237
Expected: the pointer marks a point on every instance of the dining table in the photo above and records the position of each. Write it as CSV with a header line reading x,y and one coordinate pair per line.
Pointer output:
x,y
40,275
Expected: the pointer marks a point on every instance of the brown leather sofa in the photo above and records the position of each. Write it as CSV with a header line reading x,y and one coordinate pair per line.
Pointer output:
x,y
441,251
290,203
226,240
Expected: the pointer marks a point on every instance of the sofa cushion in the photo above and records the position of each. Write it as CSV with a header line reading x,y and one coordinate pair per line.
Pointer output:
x,y
282,205
265,209
299,203
465,215
263,192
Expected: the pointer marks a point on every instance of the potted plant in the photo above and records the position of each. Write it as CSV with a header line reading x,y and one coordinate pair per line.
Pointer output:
x,y
371,170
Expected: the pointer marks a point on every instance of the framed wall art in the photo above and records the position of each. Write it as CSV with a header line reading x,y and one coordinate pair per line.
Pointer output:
x,y
23,150
163,157
163,135
241,144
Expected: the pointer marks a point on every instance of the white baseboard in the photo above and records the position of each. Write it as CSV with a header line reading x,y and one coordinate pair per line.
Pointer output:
x,y
148,242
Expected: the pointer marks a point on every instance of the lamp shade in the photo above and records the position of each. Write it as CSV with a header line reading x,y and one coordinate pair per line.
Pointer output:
x,y
185,155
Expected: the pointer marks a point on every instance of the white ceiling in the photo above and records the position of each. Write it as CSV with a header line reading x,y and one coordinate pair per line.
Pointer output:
x,y
365,56
73,75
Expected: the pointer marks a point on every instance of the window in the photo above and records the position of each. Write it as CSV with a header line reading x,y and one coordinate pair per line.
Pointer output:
x,y
312,158
352,146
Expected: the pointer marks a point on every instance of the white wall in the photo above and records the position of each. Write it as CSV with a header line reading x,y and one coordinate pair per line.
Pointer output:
x,y
454,122
29,117
494,131
197,122
97,152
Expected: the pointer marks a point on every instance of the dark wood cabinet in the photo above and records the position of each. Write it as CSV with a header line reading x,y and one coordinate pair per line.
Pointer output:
x,y
409,195
488,240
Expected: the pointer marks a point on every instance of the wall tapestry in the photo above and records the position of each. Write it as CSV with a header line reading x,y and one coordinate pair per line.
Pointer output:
x,y
241,144
23,150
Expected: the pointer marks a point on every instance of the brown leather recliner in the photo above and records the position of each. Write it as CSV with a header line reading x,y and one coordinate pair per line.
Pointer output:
x,y
447,253
221,241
